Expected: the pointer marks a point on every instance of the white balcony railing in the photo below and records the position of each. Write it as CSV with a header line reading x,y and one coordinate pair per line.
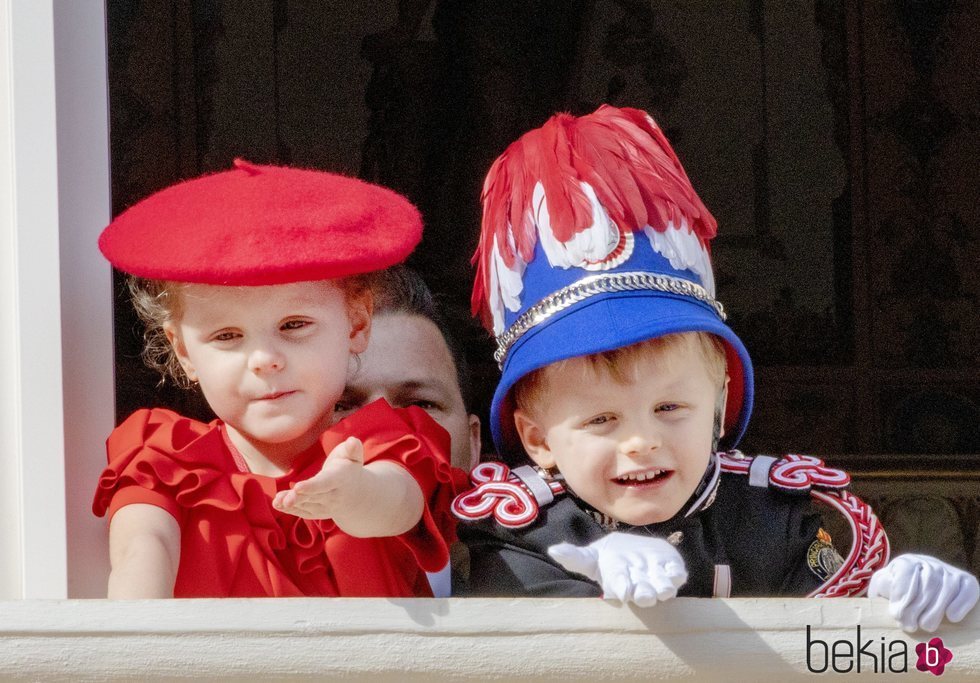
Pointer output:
x,y
463,639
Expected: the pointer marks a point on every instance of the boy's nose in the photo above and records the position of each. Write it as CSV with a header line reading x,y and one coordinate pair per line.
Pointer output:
x,y
266,359
639,444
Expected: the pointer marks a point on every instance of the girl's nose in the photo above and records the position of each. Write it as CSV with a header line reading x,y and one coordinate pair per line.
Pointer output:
x,y
266,359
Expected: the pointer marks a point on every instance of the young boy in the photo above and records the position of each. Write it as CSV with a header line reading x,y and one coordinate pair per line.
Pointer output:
x,y
620,383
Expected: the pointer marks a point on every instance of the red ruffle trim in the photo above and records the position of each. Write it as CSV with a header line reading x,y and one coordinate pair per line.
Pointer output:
x,y
159,457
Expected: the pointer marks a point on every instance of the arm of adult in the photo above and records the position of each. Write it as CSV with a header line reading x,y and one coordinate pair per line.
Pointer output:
x,y
144,551
504,570
367,501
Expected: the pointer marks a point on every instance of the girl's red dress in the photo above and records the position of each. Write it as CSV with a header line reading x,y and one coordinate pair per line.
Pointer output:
x,y
234,543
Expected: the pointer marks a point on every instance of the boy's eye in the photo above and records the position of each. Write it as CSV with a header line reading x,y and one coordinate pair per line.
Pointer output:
x,y
600,420
667,407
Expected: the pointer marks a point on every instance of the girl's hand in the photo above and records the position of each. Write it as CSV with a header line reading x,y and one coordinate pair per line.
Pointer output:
x,y
627,567
331,489
366,501
921,590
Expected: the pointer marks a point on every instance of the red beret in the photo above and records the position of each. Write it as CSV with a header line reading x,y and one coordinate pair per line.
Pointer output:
x,y
263,225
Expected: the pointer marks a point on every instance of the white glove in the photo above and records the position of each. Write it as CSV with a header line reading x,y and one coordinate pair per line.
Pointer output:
x,y
629,568
921,589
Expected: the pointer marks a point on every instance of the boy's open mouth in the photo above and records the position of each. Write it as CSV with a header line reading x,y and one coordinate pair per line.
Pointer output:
x,y
644,478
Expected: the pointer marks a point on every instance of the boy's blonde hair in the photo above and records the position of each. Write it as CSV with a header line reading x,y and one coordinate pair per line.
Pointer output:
x,y
620,364
158,302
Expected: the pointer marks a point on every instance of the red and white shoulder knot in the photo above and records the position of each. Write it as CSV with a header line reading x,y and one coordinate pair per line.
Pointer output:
x,y
512,496
791,473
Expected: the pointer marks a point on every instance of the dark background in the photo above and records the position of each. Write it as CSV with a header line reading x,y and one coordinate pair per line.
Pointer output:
x,y
835,141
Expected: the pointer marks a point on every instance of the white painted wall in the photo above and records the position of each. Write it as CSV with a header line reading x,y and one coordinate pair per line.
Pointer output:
x,y
458,639
10,531
55,300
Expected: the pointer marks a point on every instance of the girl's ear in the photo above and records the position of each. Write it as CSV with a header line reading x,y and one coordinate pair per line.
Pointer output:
x,y
533,439
177,344
359,309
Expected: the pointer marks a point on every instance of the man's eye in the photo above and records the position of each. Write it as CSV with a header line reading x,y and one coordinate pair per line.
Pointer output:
x,y
424,404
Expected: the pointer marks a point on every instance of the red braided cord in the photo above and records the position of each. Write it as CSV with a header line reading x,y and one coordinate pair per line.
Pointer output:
x,y
869,548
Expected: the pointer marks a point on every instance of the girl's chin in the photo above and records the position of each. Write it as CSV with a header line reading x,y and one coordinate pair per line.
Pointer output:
x,y
280,438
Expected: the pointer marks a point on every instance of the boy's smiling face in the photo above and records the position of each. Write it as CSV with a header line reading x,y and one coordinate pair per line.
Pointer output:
x,y
634,449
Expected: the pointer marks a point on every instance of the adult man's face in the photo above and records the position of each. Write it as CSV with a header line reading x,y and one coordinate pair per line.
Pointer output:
x,y
408,363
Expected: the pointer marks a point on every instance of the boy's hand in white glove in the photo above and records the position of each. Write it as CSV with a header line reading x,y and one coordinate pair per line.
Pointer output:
x,y
627,567
921,590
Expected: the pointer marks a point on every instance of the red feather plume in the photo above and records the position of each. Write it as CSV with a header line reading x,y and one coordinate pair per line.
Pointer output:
x,y
620,152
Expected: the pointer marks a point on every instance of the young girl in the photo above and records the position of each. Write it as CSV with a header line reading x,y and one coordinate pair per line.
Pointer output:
x,y
251,284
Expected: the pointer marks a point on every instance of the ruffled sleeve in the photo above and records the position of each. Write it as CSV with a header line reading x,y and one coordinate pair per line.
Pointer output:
x,y
153,458
409,437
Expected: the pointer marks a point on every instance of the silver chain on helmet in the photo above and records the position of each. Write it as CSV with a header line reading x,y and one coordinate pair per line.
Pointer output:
x,y
602,283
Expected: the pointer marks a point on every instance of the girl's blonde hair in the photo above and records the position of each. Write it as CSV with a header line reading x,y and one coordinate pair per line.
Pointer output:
x,y
620,364
158,302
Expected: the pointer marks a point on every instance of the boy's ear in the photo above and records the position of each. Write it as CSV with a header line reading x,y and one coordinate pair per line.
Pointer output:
x,y
359,310
533,439
723,406
177,343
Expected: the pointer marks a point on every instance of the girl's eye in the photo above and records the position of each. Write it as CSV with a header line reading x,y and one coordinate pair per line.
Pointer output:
x,y
294,324
225,336
667,407
600,420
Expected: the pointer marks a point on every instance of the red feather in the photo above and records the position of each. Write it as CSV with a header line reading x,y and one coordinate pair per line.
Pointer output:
x,y
621,153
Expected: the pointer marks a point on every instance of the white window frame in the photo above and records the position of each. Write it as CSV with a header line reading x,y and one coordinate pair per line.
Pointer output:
x,y
56,362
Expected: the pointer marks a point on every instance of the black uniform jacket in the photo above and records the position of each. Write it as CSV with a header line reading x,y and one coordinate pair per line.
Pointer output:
x,y
763,535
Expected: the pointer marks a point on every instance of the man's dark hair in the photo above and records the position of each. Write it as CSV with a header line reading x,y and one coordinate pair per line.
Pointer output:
x,y
400,289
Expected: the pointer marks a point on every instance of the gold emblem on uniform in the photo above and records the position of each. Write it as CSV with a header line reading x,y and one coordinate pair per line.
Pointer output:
x,y
822,558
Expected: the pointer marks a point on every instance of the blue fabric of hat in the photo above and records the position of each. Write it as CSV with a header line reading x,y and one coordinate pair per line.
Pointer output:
x,y
611,320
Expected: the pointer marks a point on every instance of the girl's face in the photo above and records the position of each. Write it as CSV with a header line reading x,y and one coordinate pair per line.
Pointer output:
x,y
271,360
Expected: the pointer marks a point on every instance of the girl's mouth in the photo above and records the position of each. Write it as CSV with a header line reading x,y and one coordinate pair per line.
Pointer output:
x,y
275,395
